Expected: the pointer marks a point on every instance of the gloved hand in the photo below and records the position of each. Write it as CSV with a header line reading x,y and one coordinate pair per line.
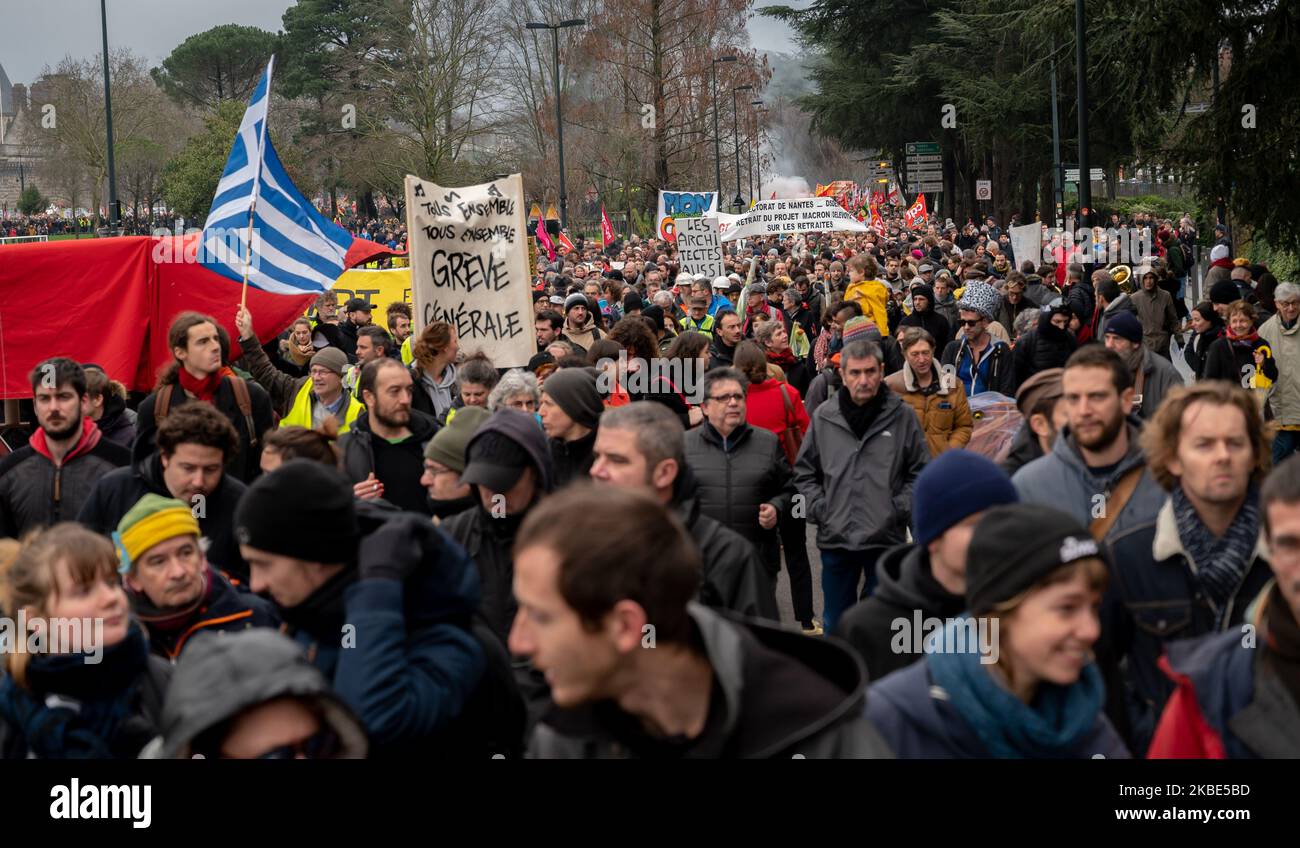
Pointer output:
x,y
395,550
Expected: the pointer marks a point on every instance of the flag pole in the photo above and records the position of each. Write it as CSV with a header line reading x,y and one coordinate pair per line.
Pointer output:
x,y
257,184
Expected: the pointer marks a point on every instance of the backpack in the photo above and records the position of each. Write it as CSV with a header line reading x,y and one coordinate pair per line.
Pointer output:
x,y
162,402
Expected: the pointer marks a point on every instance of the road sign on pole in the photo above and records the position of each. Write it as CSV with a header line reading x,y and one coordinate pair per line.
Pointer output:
x,y
983,189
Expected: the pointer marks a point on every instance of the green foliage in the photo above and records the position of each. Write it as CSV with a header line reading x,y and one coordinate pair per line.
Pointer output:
x,y
31,201
1162,207
1285,265
223,63
190,179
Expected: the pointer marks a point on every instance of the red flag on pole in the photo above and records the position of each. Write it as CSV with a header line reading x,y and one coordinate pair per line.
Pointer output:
x,y
606,229
563,241
544,239
916,213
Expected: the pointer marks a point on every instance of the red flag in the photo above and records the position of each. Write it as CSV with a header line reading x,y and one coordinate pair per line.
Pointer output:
x,y
91,284
564,242
606,229
774,193
544,239
916,213
822,191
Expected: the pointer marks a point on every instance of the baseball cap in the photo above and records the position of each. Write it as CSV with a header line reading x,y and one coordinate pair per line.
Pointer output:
x,y
356,304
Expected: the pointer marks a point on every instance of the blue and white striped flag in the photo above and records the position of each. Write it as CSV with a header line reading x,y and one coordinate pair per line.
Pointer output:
x,y
294,249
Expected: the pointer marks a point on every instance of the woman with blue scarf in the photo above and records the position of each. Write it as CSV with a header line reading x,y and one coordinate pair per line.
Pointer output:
x,y
88,687
1014,677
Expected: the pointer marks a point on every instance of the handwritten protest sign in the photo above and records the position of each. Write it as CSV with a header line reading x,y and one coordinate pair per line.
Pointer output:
x,y
810,214
699,247
677,205
469,265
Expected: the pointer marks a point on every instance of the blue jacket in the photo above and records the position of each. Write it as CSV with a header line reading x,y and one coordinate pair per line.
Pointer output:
x,y
918,722
718,302
411,660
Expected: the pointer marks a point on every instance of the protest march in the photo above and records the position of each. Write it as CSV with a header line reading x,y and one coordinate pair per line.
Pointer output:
x,y
433,459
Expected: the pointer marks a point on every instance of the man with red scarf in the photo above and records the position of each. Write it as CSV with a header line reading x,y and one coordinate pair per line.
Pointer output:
x,y
48,480
200,348
756,303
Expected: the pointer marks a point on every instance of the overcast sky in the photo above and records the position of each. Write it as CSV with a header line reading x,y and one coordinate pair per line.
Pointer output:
x,y
36,33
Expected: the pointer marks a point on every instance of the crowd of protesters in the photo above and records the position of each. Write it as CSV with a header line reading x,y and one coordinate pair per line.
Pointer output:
x,y
362,539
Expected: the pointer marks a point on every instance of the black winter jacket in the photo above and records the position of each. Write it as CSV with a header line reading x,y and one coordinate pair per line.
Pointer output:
x,y
358,449
778,695
225,609
34,492
736,480
119,490
906,589
1045,346
573,459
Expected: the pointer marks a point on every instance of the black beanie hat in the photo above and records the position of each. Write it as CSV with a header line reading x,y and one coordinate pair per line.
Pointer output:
x,y
304,510
1015,546
1224,291
576,392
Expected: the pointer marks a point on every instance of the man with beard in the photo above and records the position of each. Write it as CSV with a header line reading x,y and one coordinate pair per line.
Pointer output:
x,y
190,466
172,589
924,316
383,453
1195,567
49,479
399,325
1012,302
356,314
1096,471
726,335
444,462
508,467
1153,375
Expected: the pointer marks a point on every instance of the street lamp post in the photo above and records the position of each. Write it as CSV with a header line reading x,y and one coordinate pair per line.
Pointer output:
x,y
735,140
559,115
1081,58
717,143
753,143
758,147
108,116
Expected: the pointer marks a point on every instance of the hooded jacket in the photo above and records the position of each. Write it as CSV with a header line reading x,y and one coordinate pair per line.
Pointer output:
x,y
572,460
1158,377
35,492
120,489
906,590
776,694
944,413
489,541
1155,309
1152,599
1000,376
1045,346
219,678
434,397
873,296
412,660
918,721
824,385
1062,480
928,319
734,576
586,335
859,491
1024,450
1007,311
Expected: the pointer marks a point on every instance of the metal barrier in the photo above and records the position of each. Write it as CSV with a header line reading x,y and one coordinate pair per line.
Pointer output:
x,y
20,239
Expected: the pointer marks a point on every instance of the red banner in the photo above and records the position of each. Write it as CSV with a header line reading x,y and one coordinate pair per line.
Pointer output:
x,y
544,239
916,213
606,229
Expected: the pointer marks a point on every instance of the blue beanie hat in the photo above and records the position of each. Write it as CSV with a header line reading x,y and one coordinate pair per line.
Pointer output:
x,y
954,486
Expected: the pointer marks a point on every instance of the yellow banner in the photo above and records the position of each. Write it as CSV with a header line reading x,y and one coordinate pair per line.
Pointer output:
x,y
378,288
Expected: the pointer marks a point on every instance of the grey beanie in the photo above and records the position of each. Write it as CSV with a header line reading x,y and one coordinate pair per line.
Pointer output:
x,y
575,299
331,358
574,390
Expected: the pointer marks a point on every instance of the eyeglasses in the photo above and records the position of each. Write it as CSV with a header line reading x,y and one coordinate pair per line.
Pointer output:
x,y
732,398
319,746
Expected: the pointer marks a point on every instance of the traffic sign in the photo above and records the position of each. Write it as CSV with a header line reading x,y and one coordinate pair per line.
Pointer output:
x,y
921,147
924,187
1072,175
924,157
925,166
983,189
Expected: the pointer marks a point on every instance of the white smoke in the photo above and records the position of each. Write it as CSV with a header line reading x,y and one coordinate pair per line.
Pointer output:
x,y
785,187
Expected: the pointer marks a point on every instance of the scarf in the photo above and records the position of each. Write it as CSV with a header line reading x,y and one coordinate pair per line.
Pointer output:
x,y
90,437
860,417
168,620
1247,340
1222,263
1060,719
1220,563
97,713
783,358
1282,636
205,389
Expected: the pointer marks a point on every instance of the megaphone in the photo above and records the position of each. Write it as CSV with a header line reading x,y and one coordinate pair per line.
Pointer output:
x,y
1123,276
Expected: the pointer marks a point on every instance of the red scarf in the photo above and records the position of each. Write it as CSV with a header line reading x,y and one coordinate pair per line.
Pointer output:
x,y
90,436
1222,263
1248,339
205,389
785,358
